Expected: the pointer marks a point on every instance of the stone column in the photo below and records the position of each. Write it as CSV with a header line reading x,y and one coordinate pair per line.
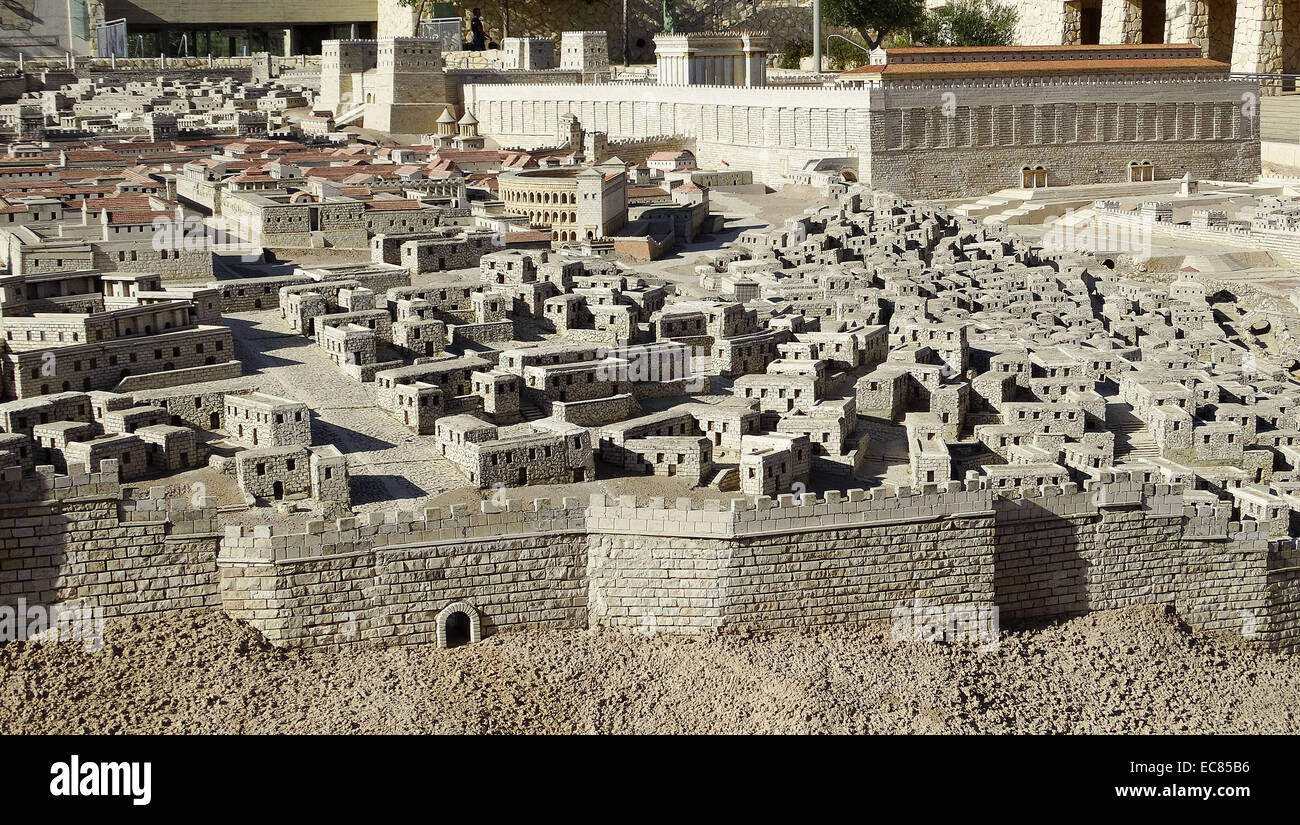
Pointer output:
x,y
1187,21
1257,44
1121,21
1290,36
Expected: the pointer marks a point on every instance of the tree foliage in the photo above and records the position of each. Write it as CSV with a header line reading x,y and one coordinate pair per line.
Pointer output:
x,y
874,20
968,23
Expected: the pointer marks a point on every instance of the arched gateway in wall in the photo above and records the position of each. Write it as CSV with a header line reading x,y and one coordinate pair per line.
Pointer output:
x,y
453,614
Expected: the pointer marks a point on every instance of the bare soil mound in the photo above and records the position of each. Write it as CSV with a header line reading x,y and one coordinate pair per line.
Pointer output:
x,y
1136,670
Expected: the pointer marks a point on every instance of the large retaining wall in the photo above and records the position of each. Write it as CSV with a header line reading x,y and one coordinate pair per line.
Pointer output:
x,y
674,566
686,567
920,139
768,130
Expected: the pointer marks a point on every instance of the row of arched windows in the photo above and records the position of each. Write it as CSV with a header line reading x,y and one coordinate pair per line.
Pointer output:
x,y
540,197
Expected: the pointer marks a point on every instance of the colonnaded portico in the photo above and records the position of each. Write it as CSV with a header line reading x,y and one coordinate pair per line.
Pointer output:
x,y
1255,36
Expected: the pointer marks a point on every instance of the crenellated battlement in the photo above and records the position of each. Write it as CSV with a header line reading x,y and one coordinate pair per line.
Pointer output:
x,y
605,514
72,537
47,485
197,516
389,529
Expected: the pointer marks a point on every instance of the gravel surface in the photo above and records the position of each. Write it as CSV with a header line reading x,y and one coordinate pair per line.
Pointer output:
x,y
1133,671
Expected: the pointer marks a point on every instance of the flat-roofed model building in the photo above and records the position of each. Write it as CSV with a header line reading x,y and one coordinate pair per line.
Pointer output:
x,y
260,420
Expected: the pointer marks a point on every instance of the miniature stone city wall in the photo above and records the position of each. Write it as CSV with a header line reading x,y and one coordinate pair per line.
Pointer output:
x,y
71,539
1285,242
675,566
683,567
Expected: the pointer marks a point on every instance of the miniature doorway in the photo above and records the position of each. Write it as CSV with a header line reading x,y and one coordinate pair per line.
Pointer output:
x,y
1143,171
1035,178
458,624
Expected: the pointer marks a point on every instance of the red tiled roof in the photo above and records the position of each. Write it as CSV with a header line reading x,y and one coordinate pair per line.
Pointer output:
x,y
646,192
978,68
527,236
136,217
391,205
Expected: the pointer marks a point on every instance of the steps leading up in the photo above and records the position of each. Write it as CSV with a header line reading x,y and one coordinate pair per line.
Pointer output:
x,y
1132,438
530,412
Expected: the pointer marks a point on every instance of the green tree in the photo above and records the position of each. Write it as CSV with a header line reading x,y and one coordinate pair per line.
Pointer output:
x,y
968,23
874,20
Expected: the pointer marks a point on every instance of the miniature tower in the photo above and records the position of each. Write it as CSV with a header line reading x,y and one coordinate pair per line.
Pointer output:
x,y
446,135
570,135
468,140
587,52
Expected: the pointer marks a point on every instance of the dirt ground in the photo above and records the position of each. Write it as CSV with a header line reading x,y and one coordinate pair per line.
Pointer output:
x,y
1131,671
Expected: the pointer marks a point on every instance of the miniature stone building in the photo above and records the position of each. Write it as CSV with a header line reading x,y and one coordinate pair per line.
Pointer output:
x,y
260,420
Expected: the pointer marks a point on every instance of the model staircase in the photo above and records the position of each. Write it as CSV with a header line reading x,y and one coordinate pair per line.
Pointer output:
x,y
1014,214
1132,438
725,480
350,116
530,412
982,208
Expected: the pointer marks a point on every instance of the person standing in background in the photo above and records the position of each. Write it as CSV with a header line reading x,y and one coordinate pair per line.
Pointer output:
x,y
478,39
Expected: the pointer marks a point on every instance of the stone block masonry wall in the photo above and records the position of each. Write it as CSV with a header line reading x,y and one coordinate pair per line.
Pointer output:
x,y
638,150
859,574
250,294
655,583
1286,244
682,567
1280,624
387,576
1039,568
923,139
677,566
71,539
770,131
224,371
596,412
954,139
1067,551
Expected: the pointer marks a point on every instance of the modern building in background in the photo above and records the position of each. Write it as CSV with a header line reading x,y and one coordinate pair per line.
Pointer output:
x,y
222,28
47,28
228,28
